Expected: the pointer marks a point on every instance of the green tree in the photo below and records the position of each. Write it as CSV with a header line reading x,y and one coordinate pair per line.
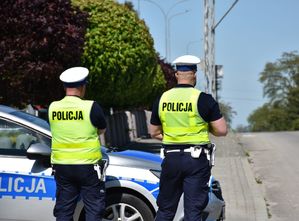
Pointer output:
x,y
280,77
119,52
281,86
159,85
269,118
293,107
38,39
227,111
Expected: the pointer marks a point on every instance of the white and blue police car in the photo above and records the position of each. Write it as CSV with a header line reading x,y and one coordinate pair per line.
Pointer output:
x,y
27,187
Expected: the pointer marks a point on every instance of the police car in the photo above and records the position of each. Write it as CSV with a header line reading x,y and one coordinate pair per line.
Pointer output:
x,y
27,187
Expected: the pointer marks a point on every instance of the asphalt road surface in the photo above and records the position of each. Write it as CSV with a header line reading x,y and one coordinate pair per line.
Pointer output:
x,y
274,158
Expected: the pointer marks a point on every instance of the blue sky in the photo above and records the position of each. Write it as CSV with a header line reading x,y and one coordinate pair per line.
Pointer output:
x,y
253,33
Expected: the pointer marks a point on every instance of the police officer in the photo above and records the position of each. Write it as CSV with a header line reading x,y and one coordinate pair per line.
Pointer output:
x,y
75,124
182,118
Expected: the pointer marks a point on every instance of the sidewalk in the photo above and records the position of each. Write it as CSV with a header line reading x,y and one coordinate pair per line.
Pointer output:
x,y
242,194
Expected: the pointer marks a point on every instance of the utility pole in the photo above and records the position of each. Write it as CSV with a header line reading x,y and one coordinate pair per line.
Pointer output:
x,y
209,46
210,69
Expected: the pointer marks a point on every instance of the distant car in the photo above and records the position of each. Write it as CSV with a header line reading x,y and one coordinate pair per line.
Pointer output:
x,y
27,187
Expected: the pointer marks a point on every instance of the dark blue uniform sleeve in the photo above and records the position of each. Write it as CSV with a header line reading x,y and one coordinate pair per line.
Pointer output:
x,y
208,108
155,120
97,116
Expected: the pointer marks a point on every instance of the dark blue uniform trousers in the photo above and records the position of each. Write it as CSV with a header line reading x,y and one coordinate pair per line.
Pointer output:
x,y
183,174
74,181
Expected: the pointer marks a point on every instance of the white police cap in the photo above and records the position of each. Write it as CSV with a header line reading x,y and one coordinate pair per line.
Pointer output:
x,y
74,77
186,63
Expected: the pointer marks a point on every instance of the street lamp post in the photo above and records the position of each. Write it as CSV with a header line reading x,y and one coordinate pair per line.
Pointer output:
x,y
168,25
165,15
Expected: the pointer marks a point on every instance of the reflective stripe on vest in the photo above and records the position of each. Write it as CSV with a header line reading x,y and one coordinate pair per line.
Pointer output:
x,y
180,118
74,138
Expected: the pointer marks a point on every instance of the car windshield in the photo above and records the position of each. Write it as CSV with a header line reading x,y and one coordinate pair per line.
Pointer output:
x,y
31,118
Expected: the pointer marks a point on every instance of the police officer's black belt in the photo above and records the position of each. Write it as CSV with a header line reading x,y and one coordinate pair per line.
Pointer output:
x,y
185,146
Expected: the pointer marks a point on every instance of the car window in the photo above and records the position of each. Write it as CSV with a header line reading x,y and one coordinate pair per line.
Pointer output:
x,y
15,139
31,118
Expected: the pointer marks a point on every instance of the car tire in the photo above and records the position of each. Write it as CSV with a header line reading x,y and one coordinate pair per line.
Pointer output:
x,y
123,206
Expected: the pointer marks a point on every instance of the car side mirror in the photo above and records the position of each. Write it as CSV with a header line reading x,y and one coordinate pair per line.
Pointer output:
x,y
38,151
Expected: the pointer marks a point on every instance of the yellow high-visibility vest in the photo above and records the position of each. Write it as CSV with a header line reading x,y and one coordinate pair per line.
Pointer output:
x,y
74,139
181,122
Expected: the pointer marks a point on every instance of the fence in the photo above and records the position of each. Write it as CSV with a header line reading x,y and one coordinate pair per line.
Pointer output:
x,y
123,127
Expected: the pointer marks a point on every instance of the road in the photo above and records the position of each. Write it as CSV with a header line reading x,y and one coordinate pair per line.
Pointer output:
x,y
274,159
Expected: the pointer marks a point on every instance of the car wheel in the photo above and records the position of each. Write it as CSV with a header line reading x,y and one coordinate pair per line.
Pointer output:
x,y
127,207
124,207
